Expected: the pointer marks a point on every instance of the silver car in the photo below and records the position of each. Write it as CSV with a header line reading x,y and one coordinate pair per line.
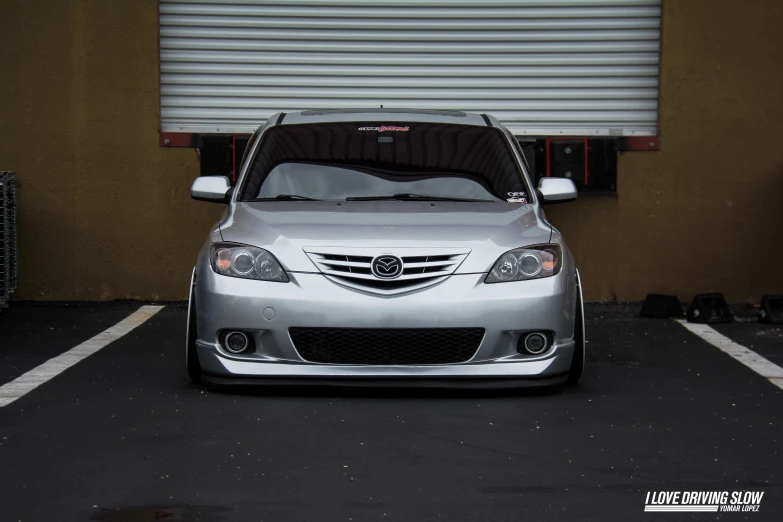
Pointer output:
x,y
381,247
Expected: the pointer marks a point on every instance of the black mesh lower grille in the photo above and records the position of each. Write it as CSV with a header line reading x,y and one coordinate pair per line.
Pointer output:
x,y
386,346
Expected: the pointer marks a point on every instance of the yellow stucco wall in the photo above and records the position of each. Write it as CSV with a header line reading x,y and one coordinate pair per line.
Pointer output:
x,y
104,211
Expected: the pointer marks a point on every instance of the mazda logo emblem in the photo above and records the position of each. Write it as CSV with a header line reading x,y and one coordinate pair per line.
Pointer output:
x,y
387,267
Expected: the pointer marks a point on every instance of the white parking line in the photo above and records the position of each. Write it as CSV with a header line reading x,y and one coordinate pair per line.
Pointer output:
x,y
29,381
749,358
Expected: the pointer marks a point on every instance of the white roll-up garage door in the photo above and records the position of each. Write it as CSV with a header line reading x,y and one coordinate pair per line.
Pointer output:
x,y
542,67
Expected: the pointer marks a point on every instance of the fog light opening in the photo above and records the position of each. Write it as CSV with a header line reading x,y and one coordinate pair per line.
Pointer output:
x,y
536,343
236,342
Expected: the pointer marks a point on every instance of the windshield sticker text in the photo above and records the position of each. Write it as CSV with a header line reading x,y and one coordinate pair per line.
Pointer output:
x,y
389,128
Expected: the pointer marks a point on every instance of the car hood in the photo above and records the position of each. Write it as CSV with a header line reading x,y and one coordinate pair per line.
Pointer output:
x,y
286,228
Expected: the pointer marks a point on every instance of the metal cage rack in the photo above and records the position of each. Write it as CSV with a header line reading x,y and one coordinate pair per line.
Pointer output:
x,y
8,243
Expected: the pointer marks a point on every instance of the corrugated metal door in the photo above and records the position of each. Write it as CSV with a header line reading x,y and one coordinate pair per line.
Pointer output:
x,y
543,67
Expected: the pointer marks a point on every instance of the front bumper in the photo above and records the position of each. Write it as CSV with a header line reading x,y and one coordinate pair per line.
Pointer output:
x,y
267,310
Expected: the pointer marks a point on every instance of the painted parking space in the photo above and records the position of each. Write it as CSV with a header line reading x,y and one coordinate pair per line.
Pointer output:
x,y
43,373
123,436
765,339
753,360
33,333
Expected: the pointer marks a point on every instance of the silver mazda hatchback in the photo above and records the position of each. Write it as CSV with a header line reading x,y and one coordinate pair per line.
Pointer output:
x,y
384,247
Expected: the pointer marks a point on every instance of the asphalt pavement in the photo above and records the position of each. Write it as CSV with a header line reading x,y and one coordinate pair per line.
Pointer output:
x,y
123,436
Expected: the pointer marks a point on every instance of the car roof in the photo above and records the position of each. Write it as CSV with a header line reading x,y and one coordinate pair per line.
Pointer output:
x,y
386,115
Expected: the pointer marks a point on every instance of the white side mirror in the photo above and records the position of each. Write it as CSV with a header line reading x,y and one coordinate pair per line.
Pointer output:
x,y
215,189
556,190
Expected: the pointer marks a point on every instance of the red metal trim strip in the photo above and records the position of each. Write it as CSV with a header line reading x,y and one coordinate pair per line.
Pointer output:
x,y
639,143
587,163
177,139
548,164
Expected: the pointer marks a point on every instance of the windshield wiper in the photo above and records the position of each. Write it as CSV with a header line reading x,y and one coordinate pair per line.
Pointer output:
x,y
404,196
285,197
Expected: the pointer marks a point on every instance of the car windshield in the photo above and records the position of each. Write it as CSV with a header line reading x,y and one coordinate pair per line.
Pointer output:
x,y
368,161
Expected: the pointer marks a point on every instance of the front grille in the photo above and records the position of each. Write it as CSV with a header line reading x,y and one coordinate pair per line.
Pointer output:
x,y
378,346
352,267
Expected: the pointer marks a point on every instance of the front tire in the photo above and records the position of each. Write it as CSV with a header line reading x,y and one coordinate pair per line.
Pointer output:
x,y
192,363
578,362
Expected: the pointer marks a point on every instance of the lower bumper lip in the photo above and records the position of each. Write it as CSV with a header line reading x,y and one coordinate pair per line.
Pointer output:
x,y
392,382
556,363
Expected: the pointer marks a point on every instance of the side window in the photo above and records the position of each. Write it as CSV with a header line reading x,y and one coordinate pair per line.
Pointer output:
x,y
521,154
525,158
248,147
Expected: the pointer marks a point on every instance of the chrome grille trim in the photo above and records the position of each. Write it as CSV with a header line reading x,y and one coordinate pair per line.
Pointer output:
x,y
351,267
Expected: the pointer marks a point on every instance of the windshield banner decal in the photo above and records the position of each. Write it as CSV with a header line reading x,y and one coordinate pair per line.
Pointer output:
x,y
390,128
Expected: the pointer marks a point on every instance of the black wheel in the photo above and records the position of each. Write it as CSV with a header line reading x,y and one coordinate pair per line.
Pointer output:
x,y
578,362
191,354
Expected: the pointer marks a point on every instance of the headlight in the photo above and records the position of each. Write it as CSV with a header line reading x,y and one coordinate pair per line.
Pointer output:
x,y
531,262
247,262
